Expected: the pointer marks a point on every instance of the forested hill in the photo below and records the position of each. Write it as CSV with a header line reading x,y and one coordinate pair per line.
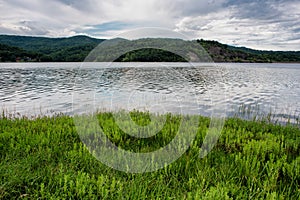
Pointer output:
x,y
225,53
75,49
70,49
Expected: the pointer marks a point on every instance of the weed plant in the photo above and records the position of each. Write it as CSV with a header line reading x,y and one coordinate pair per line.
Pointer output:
x,y
44,158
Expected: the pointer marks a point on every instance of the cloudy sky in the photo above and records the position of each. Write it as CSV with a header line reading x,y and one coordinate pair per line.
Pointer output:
x,y
268,24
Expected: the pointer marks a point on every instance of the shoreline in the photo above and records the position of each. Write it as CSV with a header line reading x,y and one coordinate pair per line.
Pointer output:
x,y
267,118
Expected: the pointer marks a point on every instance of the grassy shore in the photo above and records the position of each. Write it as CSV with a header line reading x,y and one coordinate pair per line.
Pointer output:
x,y
45,158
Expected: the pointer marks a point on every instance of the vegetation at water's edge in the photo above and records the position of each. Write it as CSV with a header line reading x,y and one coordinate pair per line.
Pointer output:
x,y
77,48
150,55
11,54
45,158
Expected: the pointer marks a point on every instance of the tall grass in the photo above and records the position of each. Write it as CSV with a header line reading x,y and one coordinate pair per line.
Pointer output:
x,y
44,158
254,112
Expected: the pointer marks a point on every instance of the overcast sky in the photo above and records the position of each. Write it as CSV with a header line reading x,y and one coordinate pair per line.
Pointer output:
x,y
268,24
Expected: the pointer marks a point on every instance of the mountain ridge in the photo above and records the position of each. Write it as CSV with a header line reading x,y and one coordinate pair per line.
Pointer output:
x,y
76,48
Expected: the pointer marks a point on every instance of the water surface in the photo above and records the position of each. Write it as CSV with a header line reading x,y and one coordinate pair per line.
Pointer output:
x,y
71,88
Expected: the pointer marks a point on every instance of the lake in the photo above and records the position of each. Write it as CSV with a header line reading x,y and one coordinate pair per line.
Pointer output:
x,y
245,90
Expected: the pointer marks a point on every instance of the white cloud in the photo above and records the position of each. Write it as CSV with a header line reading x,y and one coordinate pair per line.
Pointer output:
x,y
270,24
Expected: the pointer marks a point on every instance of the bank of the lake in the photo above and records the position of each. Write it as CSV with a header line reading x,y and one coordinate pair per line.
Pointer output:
x,y
45,158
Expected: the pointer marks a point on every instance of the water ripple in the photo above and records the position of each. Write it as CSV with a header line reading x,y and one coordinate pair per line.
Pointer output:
x,y
270,87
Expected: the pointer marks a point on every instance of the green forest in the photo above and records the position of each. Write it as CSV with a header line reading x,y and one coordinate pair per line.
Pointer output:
x,y
41,49
77,48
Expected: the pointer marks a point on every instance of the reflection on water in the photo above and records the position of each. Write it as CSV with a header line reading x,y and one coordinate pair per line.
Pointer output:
x,y
176,87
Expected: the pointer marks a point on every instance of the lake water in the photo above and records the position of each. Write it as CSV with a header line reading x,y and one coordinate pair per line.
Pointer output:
x,y
72,88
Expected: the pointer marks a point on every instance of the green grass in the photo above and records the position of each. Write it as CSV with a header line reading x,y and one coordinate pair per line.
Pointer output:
x,y
44,158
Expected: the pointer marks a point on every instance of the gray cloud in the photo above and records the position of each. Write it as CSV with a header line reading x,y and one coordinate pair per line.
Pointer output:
x,y
255,9
33,28
262,10
257,24
184,8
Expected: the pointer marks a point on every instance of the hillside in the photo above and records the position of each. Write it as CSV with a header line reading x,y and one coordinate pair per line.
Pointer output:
x,y
53,49
12,54
225,53
75,49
